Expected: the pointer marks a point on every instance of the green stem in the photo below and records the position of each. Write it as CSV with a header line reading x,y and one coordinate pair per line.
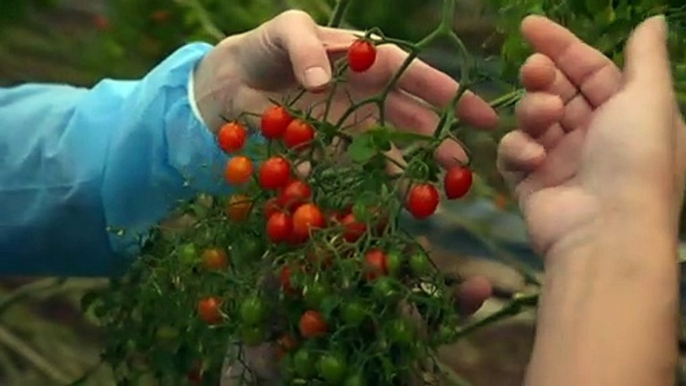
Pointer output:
x,y
447,15
515,307
339,13
14,343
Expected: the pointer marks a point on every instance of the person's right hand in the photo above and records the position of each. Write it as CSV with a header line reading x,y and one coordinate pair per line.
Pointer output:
x,y
598,149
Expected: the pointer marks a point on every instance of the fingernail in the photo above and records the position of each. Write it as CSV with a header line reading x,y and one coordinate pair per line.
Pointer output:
x,y
316,77
662,26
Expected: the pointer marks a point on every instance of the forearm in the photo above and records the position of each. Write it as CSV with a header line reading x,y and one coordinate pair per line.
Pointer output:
x,y
609,311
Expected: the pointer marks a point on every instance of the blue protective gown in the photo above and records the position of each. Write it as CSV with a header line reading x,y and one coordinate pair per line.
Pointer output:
x,y
78,164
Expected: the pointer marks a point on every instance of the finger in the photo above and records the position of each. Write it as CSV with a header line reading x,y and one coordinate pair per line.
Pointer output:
x,y
410,114
518,155
538,73
437,88
647,60
473,293
297,34
591,72
537,112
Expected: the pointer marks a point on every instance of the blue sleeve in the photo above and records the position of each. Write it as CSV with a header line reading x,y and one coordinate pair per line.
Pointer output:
x,y
76,163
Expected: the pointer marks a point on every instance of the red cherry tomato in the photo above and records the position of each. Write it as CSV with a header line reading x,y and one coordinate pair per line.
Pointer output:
x,y
294,194
238,170
274,173
279,227
422,201
457,182
353,229
271,206
361,55
215,259
306,218
312,324
232,136
298,134
274,122
376,264
208,309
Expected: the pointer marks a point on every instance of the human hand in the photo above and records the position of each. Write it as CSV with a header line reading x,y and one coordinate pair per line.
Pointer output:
x,y
595,145
244,71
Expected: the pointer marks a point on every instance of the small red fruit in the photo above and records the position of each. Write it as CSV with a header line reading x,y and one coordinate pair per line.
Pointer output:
x,y
361,55
312,325
274,122
353,228
232,137
238,170
298,134
422,201
279,227
294,194
274,173
306,218
457,182
215,259
285,278
208,309
376,264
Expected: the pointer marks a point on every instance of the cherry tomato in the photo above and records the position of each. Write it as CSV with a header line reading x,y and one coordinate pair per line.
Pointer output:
x,y
294,194
188,253
298,134
361,55
355,380
232,136
315,295
238,207
354,229
385,288
208,309
195,373
274,122
332,368
306,218
279,227
420,264
248,248
457,182
215,259
375,264
353,313
271,206
422,201
401,332
394,262
312,324
285,278
287,342
274,173
303,362
252,336
238,170
252,310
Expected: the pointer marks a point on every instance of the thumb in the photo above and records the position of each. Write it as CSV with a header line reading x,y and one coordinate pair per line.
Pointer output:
x,y
647,57
297,34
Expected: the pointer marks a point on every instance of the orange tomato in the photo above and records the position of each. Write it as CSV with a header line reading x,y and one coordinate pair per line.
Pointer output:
x,y
238,208
238,170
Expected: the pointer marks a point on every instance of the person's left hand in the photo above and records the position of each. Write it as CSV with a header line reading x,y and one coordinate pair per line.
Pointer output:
x,y
244,71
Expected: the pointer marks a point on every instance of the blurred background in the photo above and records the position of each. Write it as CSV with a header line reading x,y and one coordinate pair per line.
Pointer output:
x,y
44,337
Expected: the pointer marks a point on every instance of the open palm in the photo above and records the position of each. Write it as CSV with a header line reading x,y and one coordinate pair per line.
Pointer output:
x,y
592,139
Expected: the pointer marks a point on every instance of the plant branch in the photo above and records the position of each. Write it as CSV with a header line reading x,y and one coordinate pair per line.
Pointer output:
x,y
515,307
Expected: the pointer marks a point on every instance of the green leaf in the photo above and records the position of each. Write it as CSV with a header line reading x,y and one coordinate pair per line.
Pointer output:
x,y
362,148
